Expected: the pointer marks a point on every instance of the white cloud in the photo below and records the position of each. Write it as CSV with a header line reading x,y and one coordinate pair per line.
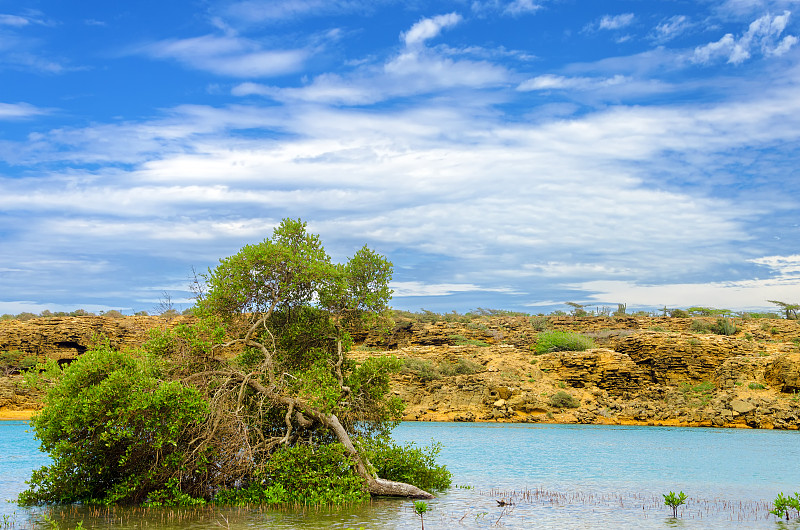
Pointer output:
x,y
555,82
671,28
613,22
751,294
11,111
763,35
428,28
405,289
783,265
519,7
415,70
228,55
13,20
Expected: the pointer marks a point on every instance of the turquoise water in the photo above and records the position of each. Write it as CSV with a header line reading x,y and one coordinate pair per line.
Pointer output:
x,y
554,476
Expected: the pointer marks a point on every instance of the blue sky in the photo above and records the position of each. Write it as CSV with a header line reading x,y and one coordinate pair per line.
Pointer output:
x,y
510,154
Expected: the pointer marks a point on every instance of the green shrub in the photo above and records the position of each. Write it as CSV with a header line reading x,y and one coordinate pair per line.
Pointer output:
x,y
550,341
725,326
428,371
564,400
424,370
301,475
700,326
409,463
103,423
679,313
539,323
15,362
756,386
674,500
783,505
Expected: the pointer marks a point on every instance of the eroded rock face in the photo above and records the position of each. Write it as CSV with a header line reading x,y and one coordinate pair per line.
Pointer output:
x,y
784,372
671,359
65,338
612,371
643,370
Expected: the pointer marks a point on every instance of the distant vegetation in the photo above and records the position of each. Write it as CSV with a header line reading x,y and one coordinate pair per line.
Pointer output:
x,y
550,341
113,313
538,320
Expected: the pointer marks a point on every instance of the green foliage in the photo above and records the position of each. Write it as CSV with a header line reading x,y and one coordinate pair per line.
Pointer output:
x,y
725,326
428,371
564,400
708,312
421,508
674,500
302,475
255,401
539,323
103,425
550,341
679,313
783,505
789,308
16,362
700,326
699,394
577,309
409,463
756,386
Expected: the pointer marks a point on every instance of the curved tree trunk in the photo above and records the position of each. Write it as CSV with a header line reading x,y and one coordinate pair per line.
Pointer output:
x,y
375,485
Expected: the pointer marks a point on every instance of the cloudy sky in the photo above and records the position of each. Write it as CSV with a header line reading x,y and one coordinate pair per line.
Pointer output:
x,y
510,154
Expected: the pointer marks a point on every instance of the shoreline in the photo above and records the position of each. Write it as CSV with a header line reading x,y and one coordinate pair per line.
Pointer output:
x,y
17,415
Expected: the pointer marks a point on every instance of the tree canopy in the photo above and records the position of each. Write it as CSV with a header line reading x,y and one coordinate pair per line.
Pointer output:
x,y
256,401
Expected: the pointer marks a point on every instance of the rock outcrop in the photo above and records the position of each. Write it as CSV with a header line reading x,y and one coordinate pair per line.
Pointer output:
x,y
652,371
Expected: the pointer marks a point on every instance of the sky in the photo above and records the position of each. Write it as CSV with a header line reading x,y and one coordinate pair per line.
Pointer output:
x,y
506,154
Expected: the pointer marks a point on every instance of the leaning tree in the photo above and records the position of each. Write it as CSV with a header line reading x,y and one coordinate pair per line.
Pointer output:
x,y
288,313
207,408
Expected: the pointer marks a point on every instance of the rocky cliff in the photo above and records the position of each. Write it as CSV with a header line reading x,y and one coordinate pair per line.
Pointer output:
x,y
654,371
63,339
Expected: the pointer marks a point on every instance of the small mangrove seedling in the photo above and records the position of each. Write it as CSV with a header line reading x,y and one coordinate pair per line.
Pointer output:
x,y
673,501
420,508
783,504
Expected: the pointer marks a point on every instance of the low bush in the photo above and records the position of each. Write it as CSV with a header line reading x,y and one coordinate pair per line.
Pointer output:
x,y
428,371
564,400
409,463
550,341
725,326
15,362
302,475
539,323
785,505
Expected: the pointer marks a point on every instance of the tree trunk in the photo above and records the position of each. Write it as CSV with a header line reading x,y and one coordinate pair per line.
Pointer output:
x,y
375,485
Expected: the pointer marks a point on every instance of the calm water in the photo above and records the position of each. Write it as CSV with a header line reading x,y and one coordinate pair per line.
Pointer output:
x,y
556,476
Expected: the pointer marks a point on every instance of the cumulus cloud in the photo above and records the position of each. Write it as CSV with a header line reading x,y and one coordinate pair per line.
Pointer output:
x,y
763,35
428,28
228,55
415,69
